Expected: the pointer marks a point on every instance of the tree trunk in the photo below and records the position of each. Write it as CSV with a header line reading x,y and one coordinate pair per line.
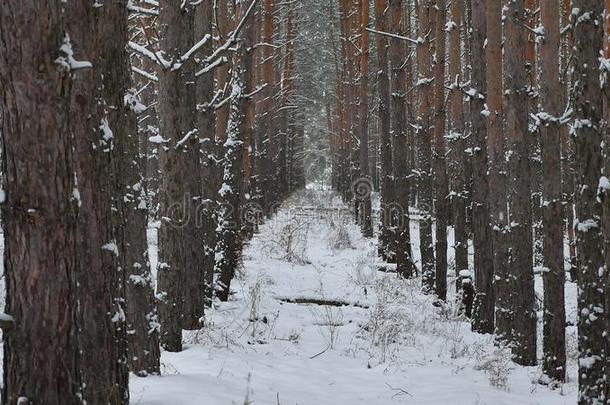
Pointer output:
x,y
387,187
554,360
176,122
138,336
206,124
483,316
424,121
100,280
400,206
365,208
456,135
587,131
38,214
522,295
228,245
440,166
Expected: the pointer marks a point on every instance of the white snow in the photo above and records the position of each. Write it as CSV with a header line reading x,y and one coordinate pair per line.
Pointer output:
x,y
158,139
111,247
394,347
66,61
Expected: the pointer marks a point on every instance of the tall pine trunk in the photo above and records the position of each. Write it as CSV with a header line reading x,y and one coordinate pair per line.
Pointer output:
x,y
385,142
441,204
457,143
39,215
521,259
554,360
587,131
176,108
483,316
425,182
400,208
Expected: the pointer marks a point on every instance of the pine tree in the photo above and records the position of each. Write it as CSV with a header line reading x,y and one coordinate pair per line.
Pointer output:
x,y
520,266
425,184
39,216
587,132
402,242
441,203
387,186
483,316
554,361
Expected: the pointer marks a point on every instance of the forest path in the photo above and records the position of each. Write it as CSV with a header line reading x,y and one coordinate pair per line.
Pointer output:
x,y
388,344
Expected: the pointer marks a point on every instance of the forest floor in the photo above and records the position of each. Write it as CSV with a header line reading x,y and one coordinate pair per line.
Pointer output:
x,y
273,343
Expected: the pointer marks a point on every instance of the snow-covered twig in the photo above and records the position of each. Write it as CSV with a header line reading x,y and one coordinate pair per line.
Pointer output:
x,y
395,36
232,40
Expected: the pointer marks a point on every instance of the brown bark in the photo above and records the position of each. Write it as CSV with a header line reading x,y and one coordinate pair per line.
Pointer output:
x,y
206,123
228,238
503,281
385,143
567,148
440,165
267,120
138,337
424,122
521,273
365,208
176,108
483,316
459,191
588,132
100,278
606,196
554,361
38,214
402,243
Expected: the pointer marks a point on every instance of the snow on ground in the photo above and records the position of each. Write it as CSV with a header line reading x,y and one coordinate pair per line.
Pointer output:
x,y
387,344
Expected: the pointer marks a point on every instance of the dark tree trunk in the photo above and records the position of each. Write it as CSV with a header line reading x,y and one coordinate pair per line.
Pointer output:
x,y
425,183
206,123
38,214
554,360
503,280
456,135
365,208
521,261
400,206
176,123
385,143
587,130
139,338
440,166
101,315
228,245
483,316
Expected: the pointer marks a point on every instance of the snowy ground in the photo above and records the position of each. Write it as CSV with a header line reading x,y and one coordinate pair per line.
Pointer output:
x,y
389,344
